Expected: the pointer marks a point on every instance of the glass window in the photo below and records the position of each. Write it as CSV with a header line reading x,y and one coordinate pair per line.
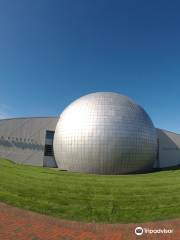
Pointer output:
x,y
48,151
49,134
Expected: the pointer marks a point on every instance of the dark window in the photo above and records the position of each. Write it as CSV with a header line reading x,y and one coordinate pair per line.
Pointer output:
x,y
49,134
48,150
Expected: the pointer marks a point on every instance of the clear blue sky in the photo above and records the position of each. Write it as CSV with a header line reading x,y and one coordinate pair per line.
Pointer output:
x,y
52,52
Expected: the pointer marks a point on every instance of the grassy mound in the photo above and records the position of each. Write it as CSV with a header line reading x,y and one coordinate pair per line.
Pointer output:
x,y
85,197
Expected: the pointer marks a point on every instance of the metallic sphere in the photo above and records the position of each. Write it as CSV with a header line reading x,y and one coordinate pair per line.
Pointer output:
x,y
105,133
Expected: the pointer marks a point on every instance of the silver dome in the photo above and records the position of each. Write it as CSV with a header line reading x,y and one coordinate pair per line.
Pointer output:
x,y
105,133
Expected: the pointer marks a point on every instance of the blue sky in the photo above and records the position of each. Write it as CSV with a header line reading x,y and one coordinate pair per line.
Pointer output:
x,y
52,52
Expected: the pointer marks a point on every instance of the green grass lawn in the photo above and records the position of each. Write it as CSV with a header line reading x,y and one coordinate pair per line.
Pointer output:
x,y
85,197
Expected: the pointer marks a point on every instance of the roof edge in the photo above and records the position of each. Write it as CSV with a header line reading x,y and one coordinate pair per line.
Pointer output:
x,y
27,118
167,131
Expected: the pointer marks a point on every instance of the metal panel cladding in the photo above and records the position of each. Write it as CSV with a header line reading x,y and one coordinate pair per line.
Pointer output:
x,y
105,133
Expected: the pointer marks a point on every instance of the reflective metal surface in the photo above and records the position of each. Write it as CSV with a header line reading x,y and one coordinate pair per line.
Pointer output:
x,y
105,133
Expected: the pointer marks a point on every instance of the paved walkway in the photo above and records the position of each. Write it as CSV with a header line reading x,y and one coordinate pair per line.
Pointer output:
x,y
18,224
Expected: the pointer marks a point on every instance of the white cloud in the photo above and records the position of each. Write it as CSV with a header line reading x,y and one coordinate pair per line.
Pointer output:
x,y
4,111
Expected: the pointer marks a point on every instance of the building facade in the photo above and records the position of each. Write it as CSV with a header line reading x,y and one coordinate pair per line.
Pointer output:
x,y
102,133
105,133
168,149
30,141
